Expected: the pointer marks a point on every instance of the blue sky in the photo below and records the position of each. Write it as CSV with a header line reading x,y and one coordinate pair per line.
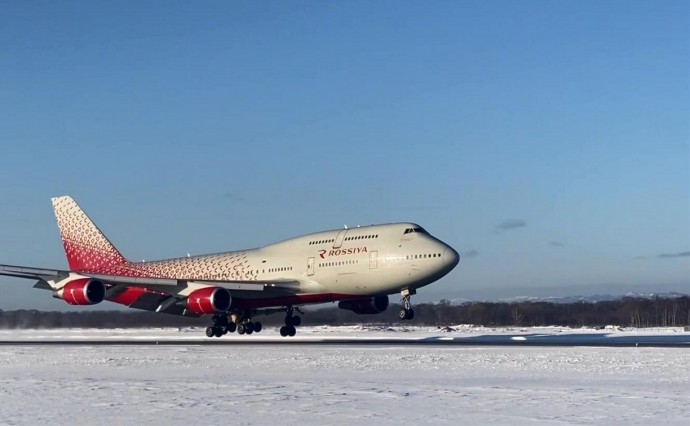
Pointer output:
x,y
549,141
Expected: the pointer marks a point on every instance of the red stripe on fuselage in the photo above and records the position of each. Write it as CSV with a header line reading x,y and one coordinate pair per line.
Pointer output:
x,y
301,299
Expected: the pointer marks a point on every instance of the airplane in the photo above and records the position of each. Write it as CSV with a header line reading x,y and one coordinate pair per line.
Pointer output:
x,y
356,267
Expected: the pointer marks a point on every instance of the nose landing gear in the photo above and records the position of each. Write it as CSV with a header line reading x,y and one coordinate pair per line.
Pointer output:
x,y
406,312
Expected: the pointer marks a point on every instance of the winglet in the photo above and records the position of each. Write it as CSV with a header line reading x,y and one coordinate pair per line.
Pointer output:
x,y
85,245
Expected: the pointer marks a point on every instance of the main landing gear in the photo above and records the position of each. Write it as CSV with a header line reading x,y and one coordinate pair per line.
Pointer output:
x,y
221,325
241,322
291,321
406,312
248,327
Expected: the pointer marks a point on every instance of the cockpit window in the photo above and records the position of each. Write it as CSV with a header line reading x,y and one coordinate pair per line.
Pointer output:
x,y
418,229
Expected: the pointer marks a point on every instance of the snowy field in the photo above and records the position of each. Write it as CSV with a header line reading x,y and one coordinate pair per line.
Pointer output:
x,y
338,384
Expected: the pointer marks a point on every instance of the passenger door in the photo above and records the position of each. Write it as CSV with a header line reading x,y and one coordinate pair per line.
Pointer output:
x,y
374,259
310,266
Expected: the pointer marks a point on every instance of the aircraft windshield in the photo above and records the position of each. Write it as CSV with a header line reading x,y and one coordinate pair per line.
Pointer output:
x,y
418,229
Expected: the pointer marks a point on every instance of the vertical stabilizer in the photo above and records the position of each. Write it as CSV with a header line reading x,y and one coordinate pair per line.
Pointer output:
x,y
85,245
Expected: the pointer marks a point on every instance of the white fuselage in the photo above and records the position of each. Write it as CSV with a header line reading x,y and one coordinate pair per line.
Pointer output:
x,y
362,261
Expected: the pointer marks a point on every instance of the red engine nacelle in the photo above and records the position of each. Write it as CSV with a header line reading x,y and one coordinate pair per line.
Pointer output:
x,y
367,305
209,300
82,291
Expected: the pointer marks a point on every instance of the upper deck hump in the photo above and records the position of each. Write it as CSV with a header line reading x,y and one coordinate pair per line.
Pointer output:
x,y
329,236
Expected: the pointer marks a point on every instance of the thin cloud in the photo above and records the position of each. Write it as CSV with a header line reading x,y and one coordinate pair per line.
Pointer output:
x,y
672,255
233,196
509,224
556,244
469,254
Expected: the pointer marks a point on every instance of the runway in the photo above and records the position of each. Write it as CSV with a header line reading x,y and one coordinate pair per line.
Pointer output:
x,y
649,343
351,336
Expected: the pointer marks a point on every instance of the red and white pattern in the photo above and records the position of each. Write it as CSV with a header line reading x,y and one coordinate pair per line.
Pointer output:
x,y
233,266
85,245
89,251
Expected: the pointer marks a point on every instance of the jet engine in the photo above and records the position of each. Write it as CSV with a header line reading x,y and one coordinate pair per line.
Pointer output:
x,y
209,300
367,305
82,291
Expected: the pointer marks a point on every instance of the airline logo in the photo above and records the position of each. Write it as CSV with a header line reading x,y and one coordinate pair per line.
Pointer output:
x,y
341,252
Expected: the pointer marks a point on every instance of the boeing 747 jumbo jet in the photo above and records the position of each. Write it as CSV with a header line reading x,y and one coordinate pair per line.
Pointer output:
x,y
356,267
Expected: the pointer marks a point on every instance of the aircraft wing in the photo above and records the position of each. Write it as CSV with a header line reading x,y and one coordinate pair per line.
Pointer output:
x,y
152,293
28,272
161,284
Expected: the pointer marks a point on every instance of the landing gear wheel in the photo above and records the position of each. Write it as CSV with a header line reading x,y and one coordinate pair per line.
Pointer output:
x,y
218,331
241,329
257,327
284,331
210,332
232,327
220,320
406,312
291,331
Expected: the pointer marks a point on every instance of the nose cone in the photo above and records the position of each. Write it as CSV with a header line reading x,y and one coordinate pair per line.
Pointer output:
x,y
450,258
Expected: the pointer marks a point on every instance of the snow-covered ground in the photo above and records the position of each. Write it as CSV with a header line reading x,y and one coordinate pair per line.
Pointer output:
x,y
341,384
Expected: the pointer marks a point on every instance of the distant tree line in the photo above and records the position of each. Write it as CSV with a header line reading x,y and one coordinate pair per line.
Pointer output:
x,y
625,312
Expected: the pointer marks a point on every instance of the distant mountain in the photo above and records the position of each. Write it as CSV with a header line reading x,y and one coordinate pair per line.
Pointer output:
x,y
574,299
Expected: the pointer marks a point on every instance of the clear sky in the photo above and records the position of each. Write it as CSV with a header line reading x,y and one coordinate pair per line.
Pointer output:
x,y
548,141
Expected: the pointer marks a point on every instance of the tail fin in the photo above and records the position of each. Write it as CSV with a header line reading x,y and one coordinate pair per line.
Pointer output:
x,y
85,245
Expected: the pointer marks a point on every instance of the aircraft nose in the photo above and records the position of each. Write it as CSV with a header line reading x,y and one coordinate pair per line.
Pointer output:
x,y
451,257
